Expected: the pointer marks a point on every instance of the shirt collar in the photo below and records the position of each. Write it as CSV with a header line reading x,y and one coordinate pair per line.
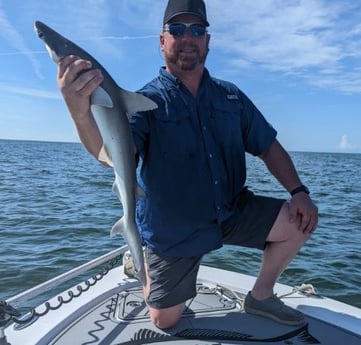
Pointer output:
x,y
172,81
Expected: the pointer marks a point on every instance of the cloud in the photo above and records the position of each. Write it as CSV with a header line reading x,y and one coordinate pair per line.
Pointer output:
x,y
10,34
30,92
142,16
344,143
316,40
127,38
22,53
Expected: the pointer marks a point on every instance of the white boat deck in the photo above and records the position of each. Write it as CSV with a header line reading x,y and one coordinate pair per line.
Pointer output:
x,y
113,312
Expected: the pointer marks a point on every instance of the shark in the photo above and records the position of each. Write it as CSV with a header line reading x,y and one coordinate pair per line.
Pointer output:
x,y
111,107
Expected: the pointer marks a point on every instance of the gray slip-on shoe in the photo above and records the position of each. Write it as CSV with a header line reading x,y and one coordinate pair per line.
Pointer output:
x,y
273,308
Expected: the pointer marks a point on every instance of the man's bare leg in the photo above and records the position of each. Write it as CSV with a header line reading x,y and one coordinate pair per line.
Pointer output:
x,y
283,243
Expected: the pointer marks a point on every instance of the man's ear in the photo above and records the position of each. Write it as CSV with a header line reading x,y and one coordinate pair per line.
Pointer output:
x,y
161,41
208,39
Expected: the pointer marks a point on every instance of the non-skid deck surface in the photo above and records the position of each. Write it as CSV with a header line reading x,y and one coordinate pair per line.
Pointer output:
x,y
214,316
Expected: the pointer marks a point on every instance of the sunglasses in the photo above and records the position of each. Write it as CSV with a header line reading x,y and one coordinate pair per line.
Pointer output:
x,y
179,29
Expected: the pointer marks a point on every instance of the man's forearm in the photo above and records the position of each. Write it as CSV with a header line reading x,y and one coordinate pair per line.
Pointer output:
x,y
89,134
280,164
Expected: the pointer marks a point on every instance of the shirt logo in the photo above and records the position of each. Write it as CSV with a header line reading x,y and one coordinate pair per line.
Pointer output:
x,y
232,97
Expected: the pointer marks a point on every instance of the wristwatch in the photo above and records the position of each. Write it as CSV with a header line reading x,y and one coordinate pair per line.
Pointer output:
x,y
301,188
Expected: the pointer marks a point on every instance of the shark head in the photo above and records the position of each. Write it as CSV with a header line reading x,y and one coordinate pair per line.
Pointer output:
x,y
56,45
109,92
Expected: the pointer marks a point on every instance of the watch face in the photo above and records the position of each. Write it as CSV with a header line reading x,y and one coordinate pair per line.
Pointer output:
x,y
304,189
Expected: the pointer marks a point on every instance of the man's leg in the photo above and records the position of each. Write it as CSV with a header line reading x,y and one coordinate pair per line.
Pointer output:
x,y
166,317
283,243
171,281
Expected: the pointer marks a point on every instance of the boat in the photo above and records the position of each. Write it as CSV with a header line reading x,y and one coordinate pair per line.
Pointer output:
x,y
108,309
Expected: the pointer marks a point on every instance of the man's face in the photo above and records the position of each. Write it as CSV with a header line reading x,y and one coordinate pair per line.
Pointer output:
x,y
185,52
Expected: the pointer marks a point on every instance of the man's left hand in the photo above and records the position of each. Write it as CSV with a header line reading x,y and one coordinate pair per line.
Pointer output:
x,y
304,211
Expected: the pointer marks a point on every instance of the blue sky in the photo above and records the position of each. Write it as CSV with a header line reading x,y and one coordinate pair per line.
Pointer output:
x,y
298,60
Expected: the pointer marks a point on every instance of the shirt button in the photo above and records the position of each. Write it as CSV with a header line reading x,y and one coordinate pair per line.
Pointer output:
x,y
218,208
204,128
216,182
210,155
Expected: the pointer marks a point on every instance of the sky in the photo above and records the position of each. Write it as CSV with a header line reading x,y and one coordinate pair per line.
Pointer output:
x,y
298,60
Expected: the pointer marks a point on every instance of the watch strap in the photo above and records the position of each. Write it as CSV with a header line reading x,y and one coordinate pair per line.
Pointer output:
x,y
301,188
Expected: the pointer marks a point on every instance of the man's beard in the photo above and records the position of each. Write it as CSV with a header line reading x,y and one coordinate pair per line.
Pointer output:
x,y
186,63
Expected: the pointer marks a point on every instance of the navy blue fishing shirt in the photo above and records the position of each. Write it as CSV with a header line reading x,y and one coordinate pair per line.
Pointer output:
x,y
192,161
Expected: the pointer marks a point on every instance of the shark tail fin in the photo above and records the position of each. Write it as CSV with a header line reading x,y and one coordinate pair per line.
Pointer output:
x,y
135,102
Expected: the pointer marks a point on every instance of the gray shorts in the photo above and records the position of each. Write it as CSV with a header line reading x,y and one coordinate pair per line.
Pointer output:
x,y
173,279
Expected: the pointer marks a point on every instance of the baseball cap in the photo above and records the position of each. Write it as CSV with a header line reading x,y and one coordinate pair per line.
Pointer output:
x,y
177,7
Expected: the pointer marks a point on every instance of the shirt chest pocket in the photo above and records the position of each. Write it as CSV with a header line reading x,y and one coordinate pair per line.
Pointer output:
x,y
176,135
228,124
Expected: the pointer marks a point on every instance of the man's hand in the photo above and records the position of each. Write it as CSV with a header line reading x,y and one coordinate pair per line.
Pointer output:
x,y
77,81
304,211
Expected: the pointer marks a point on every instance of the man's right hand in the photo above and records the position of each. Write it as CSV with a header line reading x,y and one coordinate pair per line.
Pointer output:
x,y
77,81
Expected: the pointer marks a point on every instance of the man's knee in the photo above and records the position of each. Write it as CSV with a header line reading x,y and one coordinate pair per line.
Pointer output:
x,y
164,322
284,230
167,317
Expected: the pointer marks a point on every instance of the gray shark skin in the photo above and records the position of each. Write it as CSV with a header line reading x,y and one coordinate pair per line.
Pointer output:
x,y
111,106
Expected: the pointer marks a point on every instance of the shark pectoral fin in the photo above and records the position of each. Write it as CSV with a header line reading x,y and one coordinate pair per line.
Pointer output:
x,y
118,228
101,98
115,190
135,102
103,156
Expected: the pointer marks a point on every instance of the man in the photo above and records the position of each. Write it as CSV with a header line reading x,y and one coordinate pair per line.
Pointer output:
x,y
192,159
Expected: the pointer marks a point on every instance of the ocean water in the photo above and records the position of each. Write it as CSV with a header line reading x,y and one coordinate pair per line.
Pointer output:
x,y
57,208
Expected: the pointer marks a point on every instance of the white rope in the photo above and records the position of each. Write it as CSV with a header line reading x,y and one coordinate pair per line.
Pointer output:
x,y
306,289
